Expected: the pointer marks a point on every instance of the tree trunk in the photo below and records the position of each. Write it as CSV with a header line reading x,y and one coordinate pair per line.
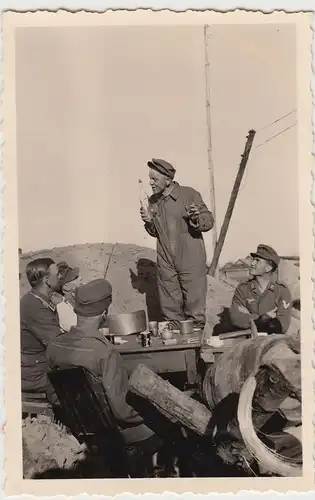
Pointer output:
x,y
170,401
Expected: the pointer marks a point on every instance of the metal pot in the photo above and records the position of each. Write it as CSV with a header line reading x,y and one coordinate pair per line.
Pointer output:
x,y
127,323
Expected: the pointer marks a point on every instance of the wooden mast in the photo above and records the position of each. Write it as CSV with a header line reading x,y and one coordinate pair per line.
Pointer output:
x,y
209,138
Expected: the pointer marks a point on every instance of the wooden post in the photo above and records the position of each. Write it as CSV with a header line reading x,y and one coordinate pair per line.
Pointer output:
x,y
170,401
109,259
209,150
230,208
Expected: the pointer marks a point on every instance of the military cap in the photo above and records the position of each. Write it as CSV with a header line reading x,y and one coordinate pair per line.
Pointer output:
x,y
267,253
163,167
67,273
93,298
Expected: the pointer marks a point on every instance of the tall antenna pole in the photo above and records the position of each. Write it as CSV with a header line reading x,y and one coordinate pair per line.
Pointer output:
x,y
209,150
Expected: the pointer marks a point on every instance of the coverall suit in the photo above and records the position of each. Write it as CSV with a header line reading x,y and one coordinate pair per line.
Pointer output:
x,y
181,254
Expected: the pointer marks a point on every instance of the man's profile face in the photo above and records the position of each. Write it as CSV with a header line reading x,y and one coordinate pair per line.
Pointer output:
x,y
53,278
259,267
158,181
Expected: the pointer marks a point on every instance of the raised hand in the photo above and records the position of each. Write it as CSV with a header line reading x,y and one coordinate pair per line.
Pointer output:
x,y
145,215
193,213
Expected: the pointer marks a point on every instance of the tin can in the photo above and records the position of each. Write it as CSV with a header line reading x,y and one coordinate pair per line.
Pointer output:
x,y
145,339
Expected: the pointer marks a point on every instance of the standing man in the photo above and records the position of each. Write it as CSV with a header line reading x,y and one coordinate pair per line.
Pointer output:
x,y
39,324
177,217
263,298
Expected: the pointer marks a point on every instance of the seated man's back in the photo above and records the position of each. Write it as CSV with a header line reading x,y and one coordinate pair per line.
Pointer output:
x,y
85,346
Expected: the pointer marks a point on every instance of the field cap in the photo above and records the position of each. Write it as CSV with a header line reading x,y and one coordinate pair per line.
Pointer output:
x,y
267,253
93,298
67,273
163,167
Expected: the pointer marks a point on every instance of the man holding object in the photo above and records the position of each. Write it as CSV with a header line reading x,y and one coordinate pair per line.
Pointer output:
x,y
177,217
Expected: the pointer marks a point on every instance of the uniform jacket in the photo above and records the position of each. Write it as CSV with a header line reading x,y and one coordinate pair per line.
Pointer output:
x,y
38,324
93,352
276,298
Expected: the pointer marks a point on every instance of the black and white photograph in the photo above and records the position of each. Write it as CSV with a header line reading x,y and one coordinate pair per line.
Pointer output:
x,y
159,237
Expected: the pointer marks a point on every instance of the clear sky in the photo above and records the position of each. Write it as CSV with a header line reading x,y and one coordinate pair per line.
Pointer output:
x,y
94,104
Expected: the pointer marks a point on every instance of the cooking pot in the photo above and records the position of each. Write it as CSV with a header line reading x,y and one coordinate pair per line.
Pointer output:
x,y
127,323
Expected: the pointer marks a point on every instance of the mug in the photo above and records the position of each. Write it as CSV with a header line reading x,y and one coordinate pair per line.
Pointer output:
x,y
187,327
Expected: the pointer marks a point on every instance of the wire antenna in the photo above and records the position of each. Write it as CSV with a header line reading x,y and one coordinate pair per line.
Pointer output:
x,y
278,120
276,135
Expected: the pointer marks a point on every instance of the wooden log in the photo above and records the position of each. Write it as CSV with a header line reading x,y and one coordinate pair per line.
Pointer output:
x,y
169,400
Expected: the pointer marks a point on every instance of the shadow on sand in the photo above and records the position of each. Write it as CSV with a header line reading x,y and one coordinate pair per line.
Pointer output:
x,y
145,282
224,325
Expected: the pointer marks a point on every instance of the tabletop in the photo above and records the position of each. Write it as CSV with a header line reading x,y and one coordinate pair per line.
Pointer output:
x,y
133,344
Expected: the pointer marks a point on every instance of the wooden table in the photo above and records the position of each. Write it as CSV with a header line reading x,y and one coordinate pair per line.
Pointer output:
x,y
161,358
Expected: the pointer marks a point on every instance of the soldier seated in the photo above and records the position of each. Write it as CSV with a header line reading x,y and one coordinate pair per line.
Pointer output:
x,y
263,298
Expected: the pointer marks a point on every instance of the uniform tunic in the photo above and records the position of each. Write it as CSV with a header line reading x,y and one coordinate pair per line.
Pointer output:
x,y
181,255
38,324
93,352
276,298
